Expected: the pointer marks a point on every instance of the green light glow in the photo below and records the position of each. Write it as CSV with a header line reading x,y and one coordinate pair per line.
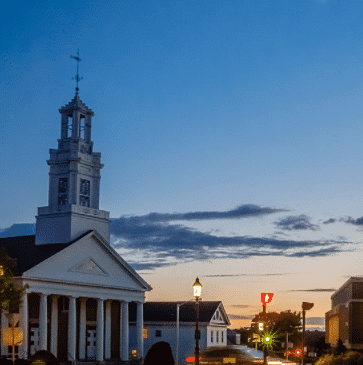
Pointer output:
x,y
268,339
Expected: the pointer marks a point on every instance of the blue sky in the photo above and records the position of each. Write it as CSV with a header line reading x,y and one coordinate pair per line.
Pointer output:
x,y
239,123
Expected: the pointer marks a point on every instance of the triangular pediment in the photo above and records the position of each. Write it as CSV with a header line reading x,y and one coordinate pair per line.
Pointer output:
x,y
89,266
220,316
88,261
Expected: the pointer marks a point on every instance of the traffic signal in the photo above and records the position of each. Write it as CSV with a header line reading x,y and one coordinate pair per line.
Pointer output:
x,y
267,339
266,298
260,326
297,352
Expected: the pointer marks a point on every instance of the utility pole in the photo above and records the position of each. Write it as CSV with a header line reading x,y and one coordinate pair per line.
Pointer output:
x,y
265,298
264,326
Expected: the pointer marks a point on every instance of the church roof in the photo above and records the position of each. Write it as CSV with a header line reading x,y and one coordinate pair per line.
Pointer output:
x,y
166,311
26,253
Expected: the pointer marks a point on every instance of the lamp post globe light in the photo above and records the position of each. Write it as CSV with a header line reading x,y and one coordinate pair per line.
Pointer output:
x,y
197,289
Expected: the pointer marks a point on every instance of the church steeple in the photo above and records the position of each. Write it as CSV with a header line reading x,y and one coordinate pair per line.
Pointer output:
x,y
74,181
79,182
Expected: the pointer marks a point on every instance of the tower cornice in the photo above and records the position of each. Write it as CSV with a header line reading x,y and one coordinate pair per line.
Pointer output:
x,y
76,104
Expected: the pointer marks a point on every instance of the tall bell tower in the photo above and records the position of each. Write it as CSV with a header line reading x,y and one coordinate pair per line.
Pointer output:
x,y
74,181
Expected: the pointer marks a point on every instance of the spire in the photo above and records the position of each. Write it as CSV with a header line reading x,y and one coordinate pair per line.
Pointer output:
x,y
74,180
77,78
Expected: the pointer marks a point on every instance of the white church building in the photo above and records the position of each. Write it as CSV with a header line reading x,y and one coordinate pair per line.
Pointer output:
x,y
80,289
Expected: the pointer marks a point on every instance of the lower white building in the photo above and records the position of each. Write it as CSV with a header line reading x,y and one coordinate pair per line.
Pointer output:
x,y
77,303
160,324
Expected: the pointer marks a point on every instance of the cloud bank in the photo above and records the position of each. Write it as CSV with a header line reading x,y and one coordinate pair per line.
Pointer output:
x,y
231,275
155,240
350,220
242,211
157,243
315,321
313,290
296,223
238,316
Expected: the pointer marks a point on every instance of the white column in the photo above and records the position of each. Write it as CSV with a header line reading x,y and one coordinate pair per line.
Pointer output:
x,y
139,329
100,330
108,330
82,329
4,326
125,331
54,326
24,327
72,329
43,322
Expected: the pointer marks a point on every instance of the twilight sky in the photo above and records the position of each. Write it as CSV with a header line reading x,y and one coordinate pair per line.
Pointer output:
x,y
230,132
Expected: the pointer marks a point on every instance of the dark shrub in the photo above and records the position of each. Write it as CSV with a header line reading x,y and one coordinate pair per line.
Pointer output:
x,y
159,354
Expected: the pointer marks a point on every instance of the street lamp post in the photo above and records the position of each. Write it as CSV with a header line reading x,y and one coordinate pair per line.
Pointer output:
x,y
178,305
197,289
305,307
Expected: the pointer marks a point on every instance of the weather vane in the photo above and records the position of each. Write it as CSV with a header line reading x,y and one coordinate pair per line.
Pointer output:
x,y
77,78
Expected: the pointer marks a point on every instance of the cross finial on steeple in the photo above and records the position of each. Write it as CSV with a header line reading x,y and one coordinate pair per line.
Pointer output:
x,y
77,78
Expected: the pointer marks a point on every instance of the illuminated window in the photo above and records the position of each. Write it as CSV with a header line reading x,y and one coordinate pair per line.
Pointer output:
x,y
333,334
145,333
1,271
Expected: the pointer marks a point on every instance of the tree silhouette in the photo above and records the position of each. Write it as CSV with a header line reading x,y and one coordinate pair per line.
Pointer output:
x,y
11,292
340,349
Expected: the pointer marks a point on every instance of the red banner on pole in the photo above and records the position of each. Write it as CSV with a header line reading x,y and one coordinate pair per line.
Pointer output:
x,y
266,298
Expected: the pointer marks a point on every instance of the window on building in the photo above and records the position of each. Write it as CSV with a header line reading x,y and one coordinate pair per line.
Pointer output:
x,y
217,336
69,131
211,336
84,193
81,126
16,352
145,333
222,337
158,333
62,191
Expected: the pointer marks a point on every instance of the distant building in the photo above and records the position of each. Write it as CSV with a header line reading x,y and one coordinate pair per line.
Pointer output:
x,y
233,337
160,325
345,320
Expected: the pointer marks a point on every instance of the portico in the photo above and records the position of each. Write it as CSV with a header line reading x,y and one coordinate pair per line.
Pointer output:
x,y
77,309
110,327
